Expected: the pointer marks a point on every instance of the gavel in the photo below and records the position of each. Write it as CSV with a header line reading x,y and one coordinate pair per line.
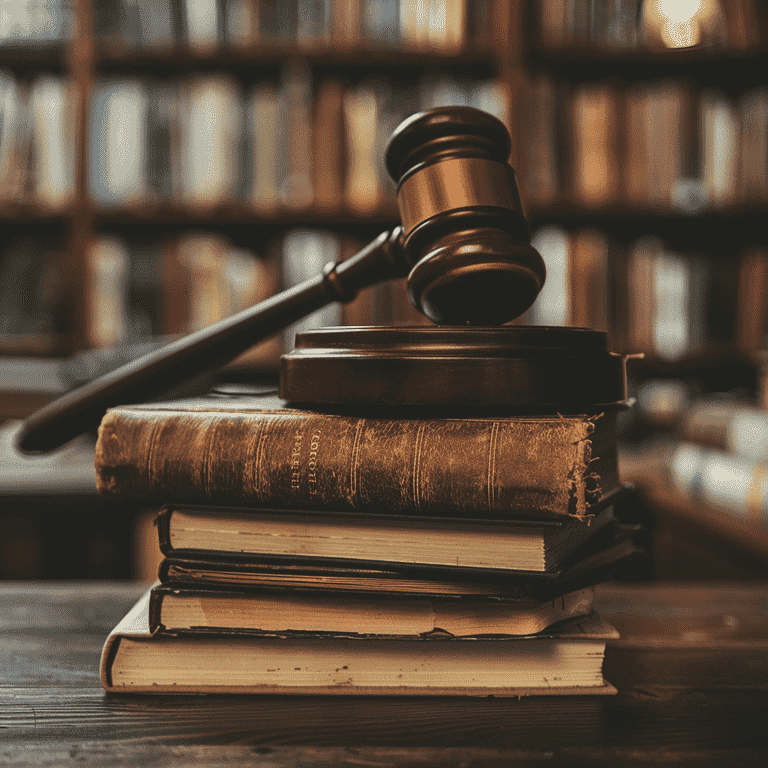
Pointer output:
x,y
463,243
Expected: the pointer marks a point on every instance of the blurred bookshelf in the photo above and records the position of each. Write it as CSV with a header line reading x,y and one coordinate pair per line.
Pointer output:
x,y
164,164
644,166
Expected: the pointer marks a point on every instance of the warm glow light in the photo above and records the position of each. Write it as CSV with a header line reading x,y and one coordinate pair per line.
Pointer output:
x,y
681,27
682,35
679,11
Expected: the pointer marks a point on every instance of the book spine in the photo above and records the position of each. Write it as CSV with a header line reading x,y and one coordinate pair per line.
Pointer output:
x,y
734,485
298,459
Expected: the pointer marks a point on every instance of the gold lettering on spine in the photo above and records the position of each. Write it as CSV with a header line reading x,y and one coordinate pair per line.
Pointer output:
x,y
354,465
418,450
464,182
492,467
314,447
296,462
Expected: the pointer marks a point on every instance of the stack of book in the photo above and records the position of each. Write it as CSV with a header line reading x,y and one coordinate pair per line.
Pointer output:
x,y
309,552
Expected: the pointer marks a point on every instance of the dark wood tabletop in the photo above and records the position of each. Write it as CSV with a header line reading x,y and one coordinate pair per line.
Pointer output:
x,y
691,668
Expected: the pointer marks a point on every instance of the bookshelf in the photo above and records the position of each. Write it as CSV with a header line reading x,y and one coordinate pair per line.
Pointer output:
x,y
141,79
141,245
655,184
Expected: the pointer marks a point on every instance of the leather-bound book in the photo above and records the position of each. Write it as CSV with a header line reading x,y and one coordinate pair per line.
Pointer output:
x,y
256,451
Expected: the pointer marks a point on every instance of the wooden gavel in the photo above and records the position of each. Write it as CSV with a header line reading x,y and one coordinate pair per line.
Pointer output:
x,y
464,245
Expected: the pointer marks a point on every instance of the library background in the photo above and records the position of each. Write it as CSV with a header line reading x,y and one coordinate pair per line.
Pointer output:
x,y
165,164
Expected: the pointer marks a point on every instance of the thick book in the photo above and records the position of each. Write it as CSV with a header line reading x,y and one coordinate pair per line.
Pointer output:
x,y
195,611
256,451
564,659
427,542
591,564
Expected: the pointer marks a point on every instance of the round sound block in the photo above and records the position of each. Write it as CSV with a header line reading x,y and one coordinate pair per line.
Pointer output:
x,y
518,369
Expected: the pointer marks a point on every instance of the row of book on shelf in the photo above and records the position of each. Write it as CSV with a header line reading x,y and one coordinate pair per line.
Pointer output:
x,y
652,298
208,26
208,141
649,24
139,290
307,552
37,23
662,143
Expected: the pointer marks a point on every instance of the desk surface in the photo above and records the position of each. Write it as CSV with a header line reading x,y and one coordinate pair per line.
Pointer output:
x,y
691,669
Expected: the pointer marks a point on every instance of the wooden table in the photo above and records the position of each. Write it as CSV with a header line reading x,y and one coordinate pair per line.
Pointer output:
x,y
691,669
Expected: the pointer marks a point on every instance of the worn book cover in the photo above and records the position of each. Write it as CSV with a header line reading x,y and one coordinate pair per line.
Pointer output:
x,y
590,564
483,545
199,611
256,451
564,659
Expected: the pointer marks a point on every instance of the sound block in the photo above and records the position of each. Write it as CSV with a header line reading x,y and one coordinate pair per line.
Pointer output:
x,y
509,369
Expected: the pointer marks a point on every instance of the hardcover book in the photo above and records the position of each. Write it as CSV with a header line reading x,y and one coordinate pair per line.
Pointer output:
x,y
454,544
197,611
565,659
257,451
589,565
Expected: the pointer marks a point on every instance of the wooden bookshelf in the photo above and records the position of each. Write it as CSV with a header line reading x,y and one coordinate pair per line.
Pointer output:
x,y
686,229
84,59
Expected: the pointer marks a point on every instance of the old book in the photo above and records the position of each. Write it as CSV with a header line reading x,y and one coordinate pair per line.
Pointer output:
x,y
304,254
363,184
538,167
565,659
164,154
379,22
118,144
296,136
241,23
553,305
752,182
732,484
181,610
719,129
328,143
751,320
596,561
52,136
345,23
595,144
255,450
667,300
265,129
210,141
107,318
453,544
446,26
734,426
589,277
203,25
313,23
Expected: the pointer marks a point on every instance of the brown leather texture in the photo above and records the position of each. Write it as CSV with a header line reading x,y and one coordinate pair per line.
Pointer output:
x,y
239,452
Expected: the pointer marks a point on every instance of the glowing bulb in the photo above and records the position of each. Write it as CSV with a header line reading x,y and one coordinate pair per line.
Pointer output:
x,y
679,11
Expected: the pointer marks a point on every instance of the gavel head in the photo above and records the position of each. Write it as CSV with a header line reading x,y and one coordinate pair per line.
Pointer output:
x,y
465,234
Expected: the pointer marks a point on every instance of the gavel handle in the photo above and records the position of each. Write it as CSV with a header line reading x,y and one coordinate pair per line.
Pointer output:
x,y
191,362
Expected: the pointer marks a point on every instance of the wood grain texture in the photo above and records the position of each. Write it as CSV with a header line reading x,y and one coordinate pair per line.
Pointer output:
x,y
100,754
691,669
